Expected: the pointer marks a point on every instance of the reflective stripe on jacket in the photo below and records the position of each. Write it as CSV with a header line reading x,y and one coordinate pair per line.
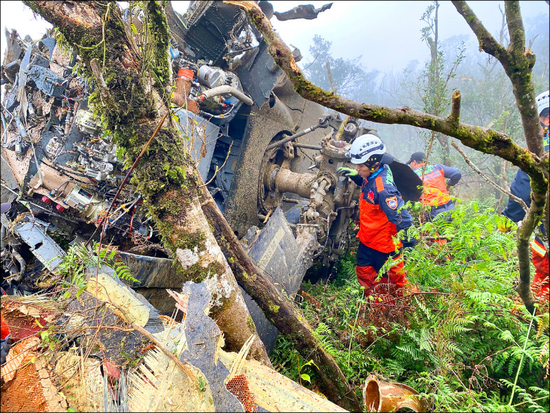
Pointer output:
x,y
380,212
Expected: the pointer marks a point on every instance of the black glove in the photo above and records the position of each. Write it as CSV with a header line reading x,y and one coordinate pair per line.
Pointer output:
x,y
349,172
408,243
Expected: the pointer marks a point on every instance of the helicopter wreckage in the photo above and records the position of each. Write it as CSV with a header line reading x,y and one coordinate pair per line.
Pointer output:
x,y
268,157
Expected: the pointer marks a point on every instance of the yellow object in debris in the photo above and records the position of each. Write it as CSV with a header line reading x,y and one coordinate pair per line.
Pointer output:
x,y
105,288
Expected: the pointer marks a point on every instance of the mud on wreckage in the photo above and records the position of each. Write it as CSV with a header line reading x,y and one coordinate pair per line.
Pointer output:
x,y
268,157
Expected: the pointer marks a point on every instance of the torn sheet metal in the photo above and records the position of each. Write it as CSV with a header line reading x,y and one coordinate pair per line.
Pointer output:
x,y
33,233
46,80
277,253
203,343
202,136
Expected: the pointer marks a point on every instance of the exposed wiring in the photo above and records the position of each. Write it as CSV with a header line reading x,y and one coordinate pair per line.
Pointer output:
x,y
64,184
125,208
218,169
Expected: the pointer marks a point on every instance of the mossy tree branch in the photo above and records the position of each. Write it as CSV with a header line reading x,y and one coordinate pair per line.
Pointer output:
x,y
166,177
487,42
518,67
454,116
518,64
515,28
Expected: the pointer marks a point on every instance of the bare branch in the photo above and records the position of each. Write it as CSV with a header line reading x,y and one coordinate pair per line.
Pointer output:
x,y
486,42
516,61
518,69
329,72
493,183
515,28
482,139
454,116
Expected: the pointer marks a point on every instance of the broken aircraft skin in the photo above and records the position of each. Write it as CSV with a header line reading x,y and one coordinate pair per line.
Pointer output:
x,y
264,152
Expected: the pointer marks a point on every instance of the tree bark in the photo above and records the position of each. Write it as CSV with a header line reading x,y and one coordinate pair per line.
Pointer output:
x,y
169,181
518,65
132,95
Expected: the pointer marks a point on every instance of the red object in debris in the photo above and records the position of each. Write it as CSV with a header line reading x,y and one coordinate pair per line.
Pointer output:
x,y
46,200
4,329
59,208
185,74
22,325
111,369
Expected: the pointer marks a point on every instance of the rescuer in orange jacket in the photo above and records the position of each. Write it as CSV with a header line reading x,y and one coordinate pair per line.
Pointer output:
x,y
382,216
434,177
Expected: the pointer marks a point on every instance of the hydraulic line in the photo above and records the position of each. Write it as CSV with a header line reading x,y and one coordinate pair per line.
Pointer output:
x,y
223,90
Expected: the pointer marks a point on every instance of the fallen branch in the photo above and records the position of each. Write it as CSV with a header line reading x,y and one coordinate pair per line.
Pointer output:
x,y
518,65
279,310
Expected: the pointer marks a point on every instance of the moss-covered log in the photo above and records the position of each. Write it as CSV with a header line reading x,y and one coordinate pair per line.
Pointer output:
x,y
131,95
517,63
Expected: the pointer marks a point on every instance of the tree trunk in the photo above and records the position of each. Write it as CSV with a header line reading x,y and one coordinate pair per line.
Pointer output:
x,y
518,64
132,95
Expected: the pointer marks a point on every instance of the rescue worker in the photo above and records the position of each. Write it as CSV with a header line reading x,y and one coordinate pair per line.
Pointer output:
x,y
521,187
382,216
436,187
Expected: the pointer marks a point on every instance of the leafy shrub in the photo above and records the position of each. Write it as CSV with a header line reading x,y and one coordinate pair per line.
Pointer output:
x,y
462,337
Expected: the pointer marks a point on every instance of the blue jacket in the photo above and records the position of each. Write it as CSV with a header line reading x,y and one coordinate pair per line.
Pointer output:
x,y
521,187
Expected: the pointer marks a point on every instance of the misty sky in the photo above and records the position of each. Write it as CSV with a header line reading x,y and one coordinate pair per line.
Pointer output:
x,y
385,33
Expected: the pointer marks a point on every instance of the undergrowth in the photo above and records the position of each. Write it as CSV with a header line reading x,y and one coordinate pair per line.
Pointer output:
x,y
460,337
79,258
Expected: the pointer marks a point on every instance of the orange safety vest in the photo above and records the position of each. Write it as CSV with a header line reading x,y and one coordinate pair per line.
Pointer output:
x,y
375,230
435,187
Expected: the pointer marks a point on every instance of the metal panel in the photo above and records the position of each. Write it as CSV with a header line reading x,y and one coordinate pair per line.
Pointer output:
x,y
275,251
259,74
42,246
46,80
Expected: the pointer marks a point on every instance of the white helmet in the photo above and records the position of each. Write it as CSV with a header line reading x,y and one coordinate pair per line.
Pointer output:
x,y
542,102
365,146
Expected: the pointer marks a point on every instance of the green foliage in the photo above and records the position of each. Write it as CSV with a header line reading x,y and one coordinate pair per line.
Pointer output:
x,y
80,257
459,339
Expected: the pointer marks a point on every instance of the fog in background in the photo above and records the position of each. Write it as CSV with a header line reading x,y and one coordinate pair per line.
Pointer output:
x,y
385,33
